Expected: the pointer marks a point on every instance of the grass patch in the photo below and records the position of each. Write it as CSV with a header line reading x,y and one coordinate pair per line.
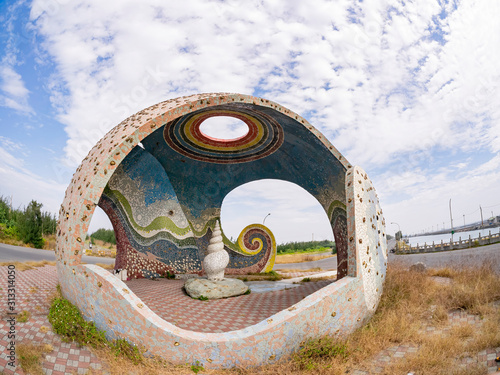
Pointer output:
x,y
263,276
292,270
30,357
23,316
316,354
23,266
68,322
106,266
299,258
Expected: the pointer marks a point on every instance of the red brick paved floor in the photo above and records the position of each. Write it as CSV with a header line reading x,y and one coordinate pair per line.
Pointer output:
x,y
170,302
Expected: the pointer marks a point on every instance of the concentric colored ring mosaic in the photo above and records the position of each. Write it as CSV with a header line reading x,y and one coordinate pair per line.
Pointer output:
x,y
264,136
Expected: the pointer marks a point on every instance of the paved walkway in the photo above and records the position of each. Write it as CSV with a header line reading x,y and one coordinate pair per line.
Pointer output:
x,y
34,289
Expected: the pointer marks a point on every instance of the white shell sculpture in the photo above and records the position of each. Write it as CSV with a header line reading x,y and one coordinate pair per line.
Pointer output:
x,y
217,258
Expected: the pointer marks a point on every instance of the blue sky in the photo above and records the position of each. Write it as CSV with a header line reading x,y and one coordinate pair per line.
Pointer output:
x,y
409,91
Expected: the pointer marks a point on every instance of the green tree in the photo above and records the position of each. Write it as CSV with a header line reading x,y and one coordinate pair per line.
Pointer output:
x,y
48,223
30,224
106,235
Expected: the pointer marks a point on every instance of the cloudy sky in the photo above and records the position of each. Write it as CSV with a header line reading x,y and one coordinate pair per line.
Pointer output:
x,y
407,90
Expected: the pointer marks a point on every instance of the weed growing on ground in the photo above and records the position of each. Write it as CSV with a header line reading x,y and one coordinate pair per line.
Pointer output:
x,y
317,353
68,322
30,357
196,368
23,316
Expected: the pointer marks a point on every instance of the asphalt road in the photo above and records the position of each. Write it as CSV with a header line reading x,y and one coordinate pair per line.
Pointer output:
x,y
476,256
11,253
468,257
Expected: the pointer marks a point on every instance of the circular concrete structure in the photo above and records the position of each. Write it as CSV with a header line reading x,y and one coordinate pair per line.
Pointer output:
x,y
162,181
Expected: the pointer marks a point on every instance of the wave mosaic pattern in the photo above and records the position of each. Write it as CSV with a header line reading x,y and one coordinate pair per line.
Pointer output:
x,y
162,181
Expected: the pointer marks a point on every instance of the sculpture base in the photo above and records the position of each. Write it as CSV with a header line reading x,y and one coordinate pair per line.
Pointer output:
x,y
209,289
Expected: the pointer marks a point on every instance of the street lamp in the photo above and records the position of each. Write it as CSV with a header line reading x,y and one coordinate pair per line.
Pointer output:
x,y
264,221
399,230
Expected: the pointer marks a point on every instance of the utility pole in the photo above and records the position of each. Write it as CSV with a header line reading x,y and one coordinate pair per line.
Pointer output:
x,y
464,220
482,222
451,219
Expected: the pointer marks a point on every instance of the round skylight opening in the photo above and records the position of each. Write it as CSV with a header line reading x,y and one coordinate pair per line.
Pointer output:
x,y
224,128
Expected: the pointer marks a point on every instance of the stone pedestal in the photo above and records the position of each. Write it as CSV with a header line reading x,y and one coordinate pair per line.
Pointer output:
x,y
214,289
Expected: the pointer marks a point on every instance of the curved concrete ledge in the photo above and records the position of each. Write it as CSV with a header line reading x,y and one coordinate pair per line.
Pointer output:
x,y
108,302
348,197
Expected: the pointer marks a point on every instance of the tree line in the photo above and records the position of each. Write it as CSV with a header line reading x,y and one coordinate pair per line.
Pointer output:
x,y
305,245
106,235
28,225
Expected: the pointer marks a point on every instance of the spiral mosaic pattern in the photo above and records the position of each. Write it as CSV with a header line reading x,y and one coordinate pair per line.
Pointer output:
x,y
264,136
256,238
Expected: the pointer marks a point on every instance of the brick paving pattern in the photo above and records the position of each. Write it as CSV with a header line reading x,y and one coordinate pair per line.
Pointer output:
x,y
167,299
34,289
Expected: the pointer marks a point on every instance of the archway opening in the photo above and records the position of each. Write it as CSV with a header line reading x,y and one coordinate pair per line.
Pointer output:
x,y
290,212
224,128
100,240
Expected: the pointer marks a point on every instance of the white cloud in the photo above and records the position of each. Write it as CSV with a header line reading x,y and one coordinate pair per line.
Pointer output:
x,y
384,80
23,185
14,92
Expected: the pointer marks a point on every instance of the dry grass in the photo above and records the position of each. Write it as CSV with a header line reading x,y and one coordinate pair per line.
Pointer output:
x,y
299,258
50,242
23,266
30,357
12,241
292,270
106,266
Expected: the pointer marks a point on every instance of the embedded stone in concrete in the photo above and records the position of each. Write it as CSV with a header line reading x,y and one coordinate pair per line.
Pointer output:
x,y
215,289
